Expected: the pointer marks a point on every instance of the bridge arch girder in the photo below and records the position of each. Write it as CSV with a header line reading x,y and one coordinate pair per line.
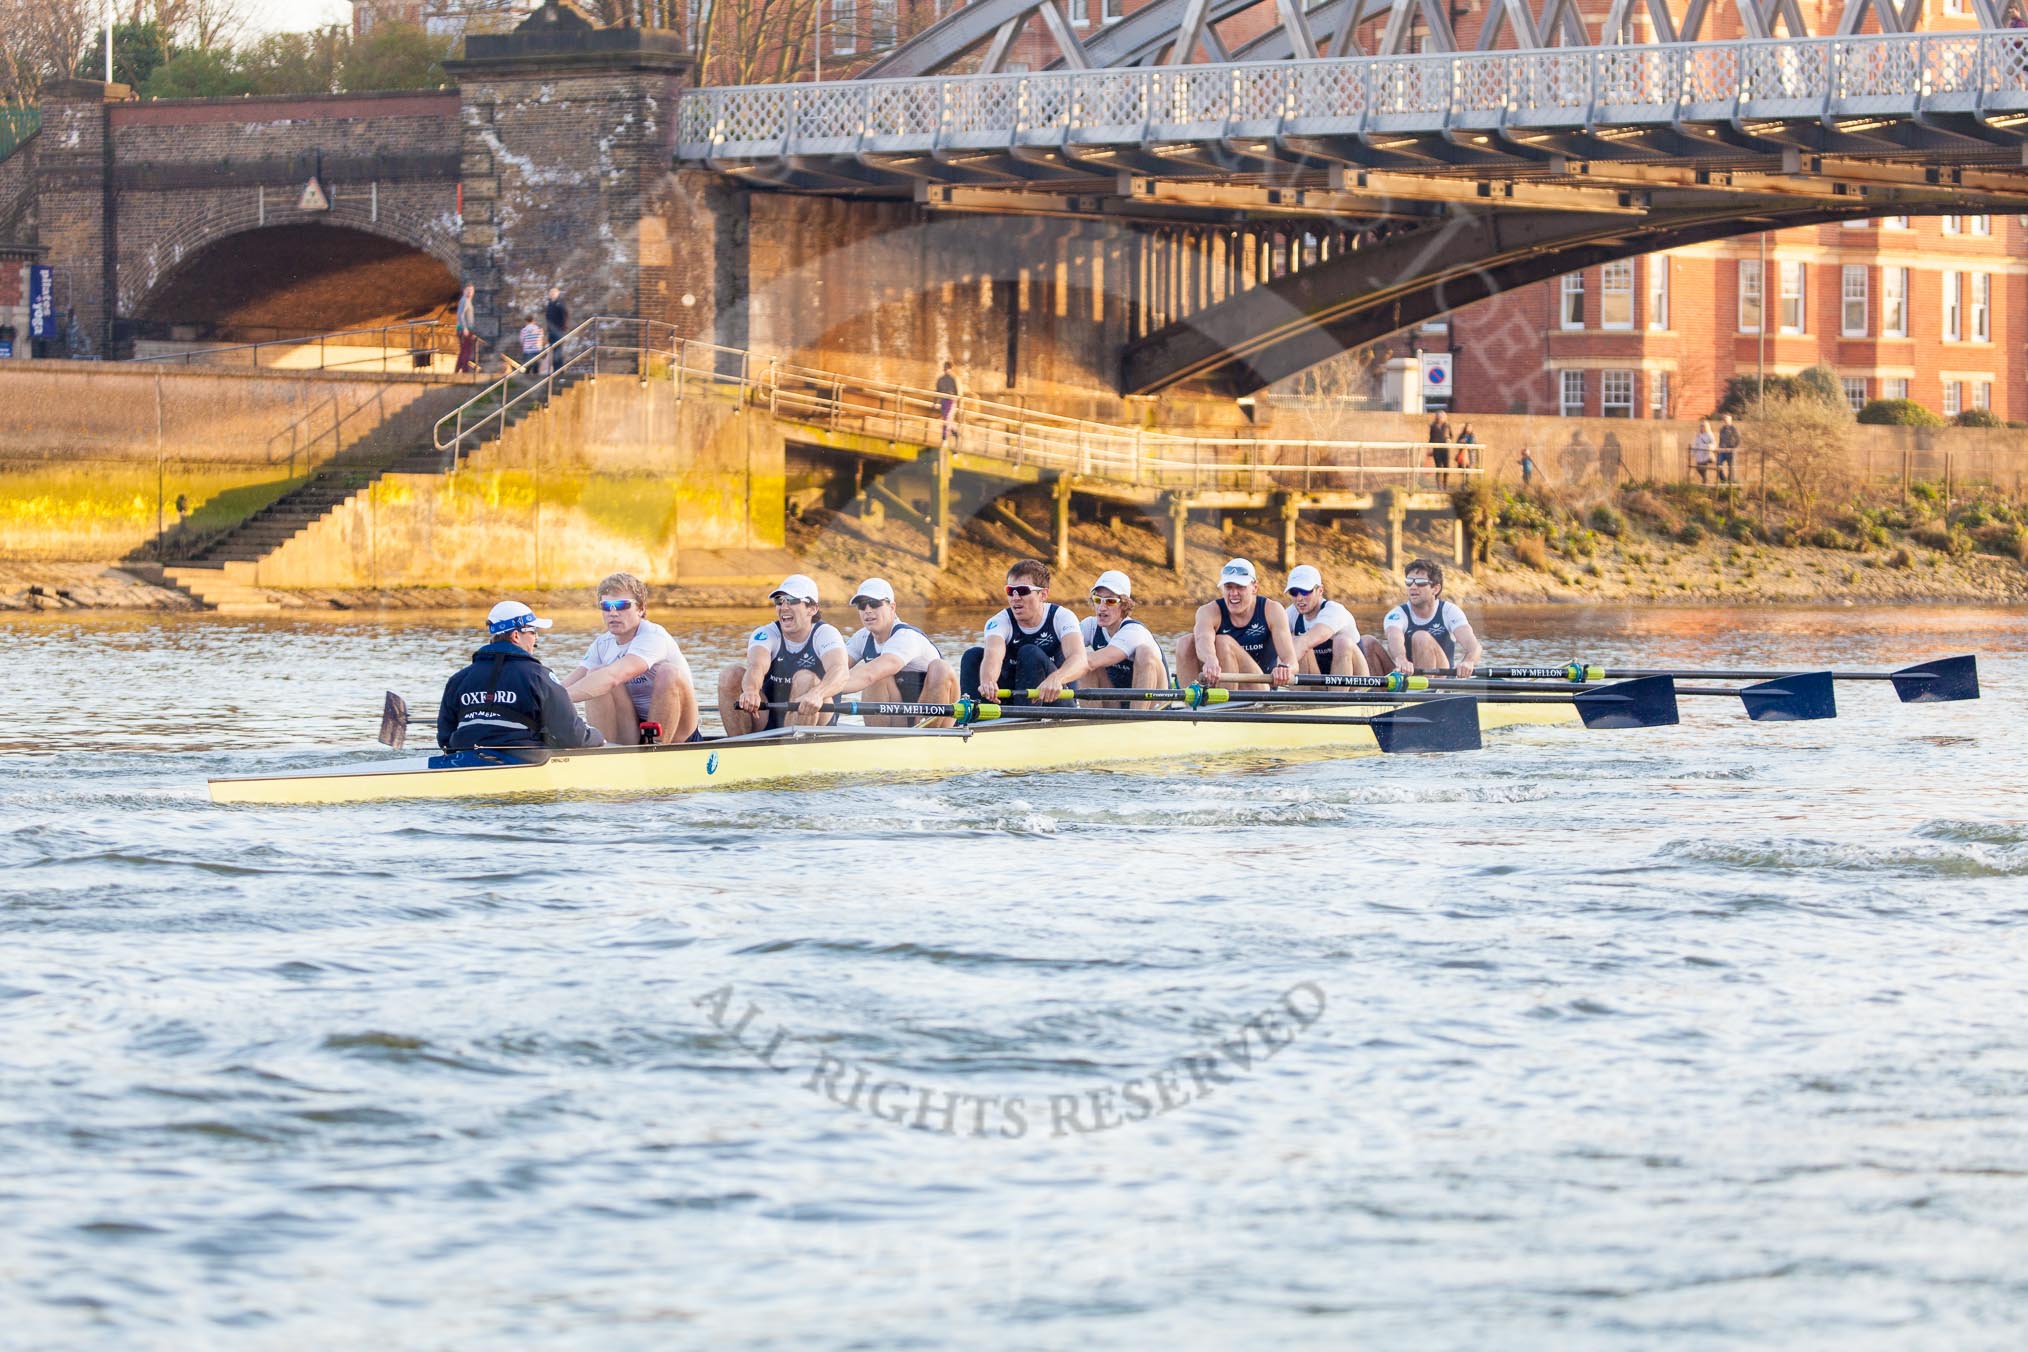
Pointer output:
x,y
1280,327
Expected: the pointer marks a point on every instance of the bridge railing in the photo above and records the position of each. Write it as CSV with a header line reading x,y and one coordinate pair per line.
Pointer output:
x,y
16,126
1902,75
984,431
413,345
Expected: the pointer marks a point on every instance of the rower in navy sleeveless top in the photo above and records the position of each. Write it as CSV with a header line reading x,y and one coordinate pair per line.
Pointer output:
x,y
783,660
1326,635
892,662
1428,633
1024,643
1241,634
1119,650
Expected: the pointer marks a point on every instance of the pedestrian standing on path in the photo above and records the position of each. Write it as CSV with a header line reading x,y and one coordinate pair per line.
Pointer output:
x,y
1527,467
1728,446
1467,443
948,392
1700,451
555,322
468,332
531,343
1439,440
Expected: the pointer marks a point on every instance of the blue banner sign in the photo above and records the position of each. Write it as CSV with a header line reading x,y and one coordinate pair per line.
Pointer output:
x,y
41,302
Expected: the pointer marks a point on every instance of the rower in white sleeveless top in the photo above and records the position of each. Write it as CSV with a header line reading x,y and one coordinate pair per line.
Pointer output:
x,y
1241,632
892,662
1119,650
783,660
1426,632
1023,643
1326,635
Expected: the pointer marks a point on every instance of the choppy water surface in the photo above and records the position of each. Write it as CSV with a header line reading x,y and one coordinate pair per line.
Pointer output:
x,y
1705,1036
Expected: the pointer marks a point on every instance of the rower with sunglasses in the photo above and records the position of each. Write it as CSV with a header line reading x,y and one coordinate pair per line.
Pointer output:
x,y
1426,632
1240,633
1119,650
1023,644
1326,635
634,682
784,660
891,662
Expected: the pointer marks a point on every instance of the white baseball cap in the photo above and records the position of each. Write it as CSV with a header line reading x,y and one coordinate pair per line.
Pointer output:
x,y
1114,581
1236,570
797,588
1303,577
874,588
509,616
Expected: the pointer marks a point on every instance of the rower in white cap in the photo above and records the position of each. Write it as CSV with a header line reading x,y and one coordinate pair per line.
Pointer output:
x,y
891,662
1240,633
1326,635
783,661
1119,650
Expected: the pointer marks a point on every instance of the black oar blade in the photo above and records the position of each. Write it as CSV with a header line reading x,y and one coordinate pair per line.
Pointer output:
x,y
1433,725
1795,698
394,721
1648,702
1938,682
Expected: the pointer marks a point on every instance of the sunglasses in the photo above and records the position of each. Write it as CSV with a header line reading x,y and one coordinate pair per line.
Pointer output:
x,y
615,607
784,599
867,603
1022,591
1301,591
1418,582
1099,600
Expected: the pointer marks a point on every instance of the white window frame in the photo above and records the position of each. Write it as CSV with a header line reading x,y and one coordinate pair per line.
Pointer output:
x,y
1855,301
1982,395
1894,387
1658,394
1751,296
1616,295
1953,398
1953,307
1616,393
1079,13
1570,301
1955,8
1658,291
1979,308
1896,223
1793,296
1953,224
1978,225
1570,393
1859,224
883,24
1855,391
1112,11
1894,302
844,27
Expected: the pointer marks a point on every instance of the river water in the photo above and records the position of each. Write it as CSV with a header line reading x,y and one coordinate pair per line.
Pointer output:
x,y
1706,1036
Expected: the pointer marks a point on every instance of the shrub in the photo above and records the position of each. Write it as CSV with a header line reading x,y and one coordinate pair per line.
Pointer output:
x,y
1979,417
2009,542
1741,530
1943,539
1519,512
1655,509
1606,521
1828,537
1532,550
1900,558
1816,385
1690,534
1898,413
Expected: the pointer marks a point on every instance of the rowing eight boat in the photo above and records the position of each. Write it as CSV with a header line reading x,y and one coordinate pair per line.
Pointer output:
x,y
802,755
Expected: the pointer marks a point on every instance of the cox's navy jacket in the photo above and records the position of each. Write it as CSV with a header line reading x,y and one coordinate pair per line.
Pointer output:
x,y
508,698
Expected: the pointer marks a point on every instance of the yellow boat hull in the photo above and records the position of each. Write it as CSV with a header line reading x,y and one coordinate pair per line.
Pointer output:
x,y
801,756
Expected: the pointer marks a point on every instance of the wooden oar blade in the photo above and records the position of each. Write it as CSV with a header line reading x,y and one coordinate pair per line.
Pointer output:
x,y
1938,682
1649,702
1433,725
394,721
1796,698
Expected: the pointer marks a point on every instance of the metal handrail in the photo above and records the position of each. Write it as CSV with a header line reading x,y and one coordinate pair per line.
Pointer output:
x,y
436,331
985,429
16,126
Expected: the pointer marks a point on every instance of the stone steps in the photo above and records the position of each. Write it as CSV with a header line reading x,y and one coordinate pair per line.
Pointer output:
x,y
213,589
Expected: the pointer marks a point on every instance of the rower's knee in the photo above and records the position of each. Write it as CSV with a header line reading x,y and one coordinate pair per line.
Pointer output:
x,y
1349,659
939,683
1425,654
1148,673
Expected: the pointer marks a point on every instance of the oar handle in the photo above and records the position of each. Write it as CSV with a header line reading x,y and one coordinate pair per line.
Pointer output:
x,y
964,711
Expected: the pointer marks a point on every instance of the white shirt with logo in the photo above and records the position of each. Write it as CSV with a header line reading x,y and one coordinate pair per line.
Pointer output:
x,y
651,643
1330,615
1131,635
824,639
916,651
1002,624
1401,618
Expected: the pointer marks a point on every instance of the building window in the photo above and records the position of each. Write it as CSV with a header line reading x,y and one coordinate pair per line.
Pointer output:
x,y
1658,394
1616,394
881,27
1982,394
1749,295
844,27
1792,297
1570,400
1894,388
1114,10
1855,391
1080,12
1953,314
1852,320
1894,302
1894,223
1572,307
1952,224
1658,291
1859,224
1978,225
1954,398
1616,295
1954,8
1981,307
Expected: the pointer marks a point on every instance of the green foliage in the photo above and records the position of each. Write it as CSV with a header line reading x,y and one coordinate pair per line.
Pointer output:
x,y
1898,413
1654,508
198,74
1578,544
396,56
1606,521
1925,492
1829,537
1979,417
296,63
1955,543
1817,384
138,49
1520,512
1690,534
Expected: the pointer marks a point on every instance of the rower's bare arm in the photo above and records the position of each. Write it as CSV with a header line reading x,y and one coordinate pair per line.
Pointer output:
x,y
570,682
758,660
860,675
591,682
1204,635
1469,650
1396,642
995,652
